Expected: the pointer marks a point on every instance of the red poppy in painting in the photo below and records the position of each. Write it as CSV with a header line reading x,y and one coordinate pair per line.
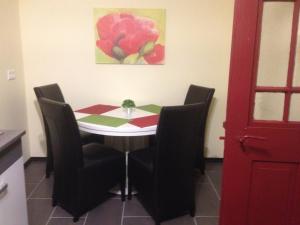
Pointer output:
x,y
123,34
155,56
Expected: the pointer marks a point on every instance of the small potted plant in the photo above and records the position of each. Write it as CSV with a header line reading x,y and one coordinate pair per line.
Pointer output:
x,y
128,105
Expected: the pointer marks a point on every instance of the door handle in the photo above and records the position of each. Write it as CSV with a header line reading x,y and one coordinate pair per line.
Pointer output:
x,y
244,138
3,188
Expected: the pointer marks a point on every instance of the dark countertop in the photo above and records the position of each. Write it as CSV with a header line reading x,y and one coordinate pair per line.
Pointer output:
x,y
8,137
10,147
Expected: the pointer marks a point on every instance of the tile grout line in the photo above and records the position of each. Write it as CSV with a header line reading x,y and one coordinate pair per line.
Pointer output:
x,y
36,187
85,218
195,221
50,216
65,217
36,184
136,216
213,186
206,216
123,211
40,198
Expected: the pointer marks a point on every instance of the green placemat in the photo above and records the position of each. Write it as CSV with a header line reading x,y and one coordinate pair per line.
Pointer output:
x,y
151,108
104,120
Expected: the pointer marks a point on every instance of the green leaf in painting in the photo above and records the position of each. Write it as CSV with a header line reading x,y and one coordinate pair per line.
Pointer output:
x,y
147,48
131,59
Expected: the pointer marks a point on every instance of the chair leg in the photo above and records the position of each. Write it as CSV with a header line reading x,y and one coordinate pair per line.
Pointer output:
x,y
192,211
49,163
202,163
54,202
122,187
48,174
129,190
48,169
202,168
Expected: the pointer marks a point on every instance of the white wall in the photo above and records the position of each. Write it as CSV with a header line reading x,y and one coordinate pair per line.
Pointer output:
x,y
12,93
58,46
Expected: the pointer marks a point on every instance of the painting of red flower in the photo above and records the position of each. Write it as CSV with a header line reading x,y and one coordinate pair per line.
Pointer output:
x,y
130,36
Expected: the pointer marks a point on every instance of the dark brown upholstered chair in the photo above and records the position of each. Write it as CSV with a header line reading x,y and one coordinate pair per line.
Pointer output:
x,y
198,94
53,92
163,174
80,182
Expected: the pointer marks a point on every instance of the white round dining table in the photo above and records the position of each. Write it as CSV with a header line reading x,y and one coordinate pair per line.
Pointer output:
x,y
115,121
127,128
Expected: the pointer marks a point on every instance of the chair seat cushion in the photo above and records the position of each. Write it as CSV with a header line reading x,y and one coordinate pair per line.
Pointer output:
x,y
144,157
98,153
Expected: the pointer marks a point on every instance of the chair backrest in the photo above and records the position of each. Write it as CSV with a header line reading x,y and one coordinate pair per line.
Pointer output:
x,y
174,160
197,94
51,91
64,137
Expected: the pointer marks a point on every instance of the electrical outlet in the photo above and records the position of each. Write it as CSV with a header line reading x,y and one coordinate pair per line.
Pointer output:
x,y
11,74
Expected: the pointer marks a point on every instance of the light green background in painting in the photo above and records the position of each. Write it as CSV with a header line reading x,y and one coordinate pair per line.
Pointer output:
x,y
157,15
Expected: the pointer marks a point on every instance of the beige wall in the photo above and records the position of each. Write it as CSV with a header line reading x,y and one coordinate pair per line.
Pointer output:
x,y
58,46
12,93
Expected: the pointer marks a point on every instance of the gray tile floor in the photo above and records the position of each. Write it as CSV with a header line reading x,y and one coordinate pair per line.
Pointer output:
x,y
113,211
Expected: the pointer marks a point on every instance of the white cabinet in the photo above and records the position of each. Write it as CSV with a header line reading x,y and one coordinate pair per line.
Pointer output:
x,y
13,208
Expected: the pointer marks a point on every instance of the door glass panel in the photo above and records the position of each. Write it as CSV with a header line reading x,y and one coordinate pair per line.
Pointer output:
x,y
296,81
295,108
275,43
269,106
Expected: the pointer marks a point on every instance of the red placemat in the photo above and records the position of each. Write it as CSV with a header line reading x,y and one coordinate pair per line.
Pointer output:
x,y
145,121
97,109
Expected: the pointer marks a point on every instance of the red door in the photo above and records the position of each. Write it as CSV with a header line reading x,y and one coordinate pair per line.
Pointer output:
x,y
261,180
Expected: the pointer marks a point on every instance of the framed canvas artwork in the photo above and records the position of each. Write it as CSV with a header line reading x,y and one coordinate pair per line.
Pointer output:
x,y
130,36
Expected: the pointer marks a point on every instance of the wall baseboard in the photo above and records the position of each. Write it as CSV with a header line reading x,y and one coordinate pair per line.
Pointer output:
x,y
214,160
34,159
